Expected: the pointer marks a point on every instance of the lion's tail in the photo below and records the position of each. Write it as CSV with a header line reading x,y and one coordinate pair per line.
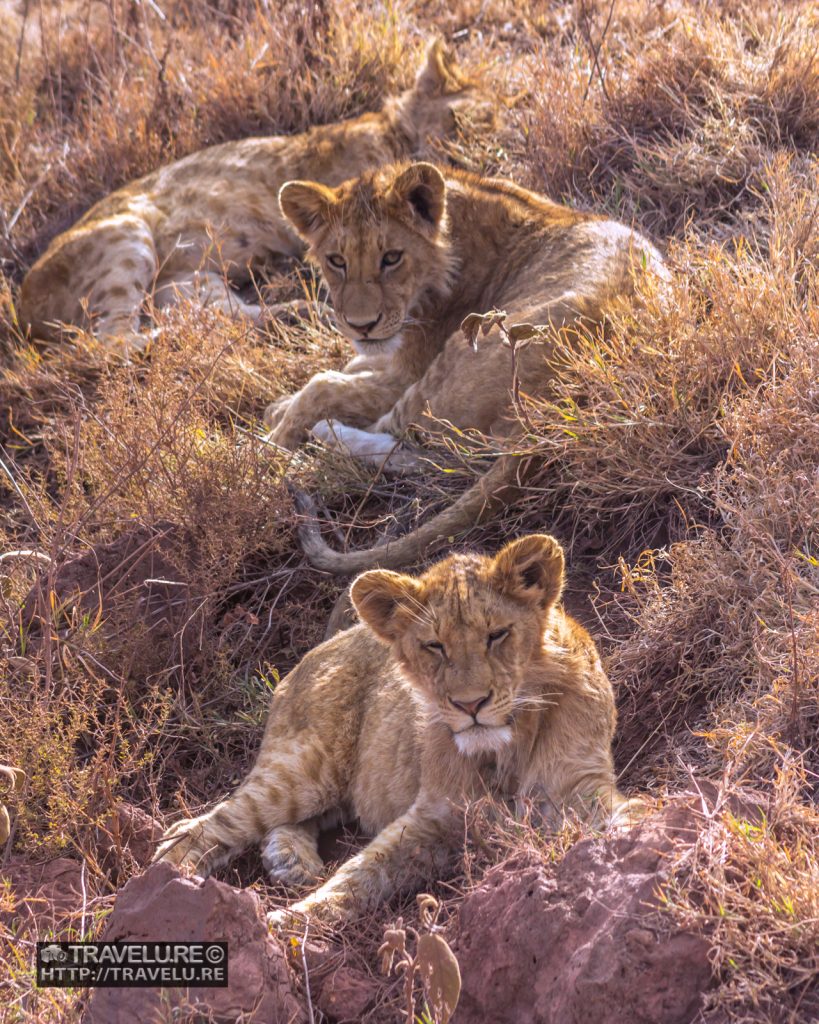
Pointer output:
x,y
494,490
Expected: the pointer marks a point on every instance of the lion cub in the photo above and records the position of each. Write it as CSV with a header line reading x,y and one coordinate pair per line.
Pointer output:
x,y
467,680
408,252
201,227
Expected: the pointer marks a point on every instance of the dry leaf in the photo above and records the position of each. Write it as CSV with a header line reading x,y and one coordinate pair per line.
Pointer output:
x,y
481,323
440,974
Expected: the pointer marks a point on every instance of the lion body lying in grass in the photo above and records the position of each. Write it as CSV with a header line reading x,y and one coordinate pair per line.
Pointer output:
x,y
468,680
202,226
408,252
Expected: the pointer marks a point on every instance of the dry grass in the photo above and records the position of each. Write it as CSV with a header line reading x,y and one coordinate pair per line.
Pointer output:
x,y
679,452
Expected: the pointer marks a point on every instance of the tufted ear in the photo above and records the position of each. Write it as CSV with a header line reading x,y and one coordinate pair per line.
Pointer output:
x,y
306,204
439,75
385,601
422,187
531,569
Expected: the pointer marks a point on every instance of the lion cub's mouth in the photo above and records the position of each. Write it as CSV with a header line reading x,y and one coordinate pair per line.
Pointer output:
x,y
482,739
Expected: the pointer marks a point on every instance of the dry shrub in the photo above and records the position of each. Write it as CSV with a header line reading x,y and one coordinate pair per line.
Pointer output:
x,y
682,126
156,452
81,747
751,880
638,415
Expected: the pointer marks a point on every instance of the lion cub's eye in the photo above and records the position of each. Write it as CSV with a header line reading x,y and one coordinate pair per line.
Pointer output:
x,y
391,258
497,637
433,645
337,261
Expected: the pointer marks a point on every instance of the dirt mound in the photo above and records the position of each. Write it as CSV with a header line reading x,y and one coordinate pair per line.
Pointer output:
x,y
162,904
43,898
343,992
135,578
582,942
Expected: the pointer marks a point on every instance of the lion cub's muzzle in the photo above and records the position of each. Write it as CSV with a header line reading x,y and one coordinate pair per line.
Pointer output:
x,y
362,329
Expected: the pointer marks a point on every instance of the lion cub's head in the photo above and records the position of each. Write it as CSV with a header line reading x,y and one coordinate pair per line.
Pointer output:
x,y
381,243
467,630
443,103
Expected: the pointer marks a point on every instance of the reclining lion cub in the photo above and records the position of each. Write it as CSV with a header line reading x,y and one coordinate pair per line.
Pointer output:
x,y
470,679
408,252
201,226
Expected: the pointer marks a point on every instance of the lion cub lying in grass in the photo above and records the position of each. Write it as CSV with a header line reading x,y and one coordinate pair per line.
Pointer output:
x,y
202,226
467,680
408,252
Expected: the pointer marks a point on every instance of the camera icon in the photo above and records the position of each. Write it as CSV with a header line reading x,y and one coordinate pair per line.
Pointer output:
x,y
53,954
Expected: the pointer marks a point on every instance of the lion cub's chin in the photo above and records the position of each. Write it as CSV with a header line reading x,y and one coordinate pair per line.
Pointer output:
x,y
482,739
377,346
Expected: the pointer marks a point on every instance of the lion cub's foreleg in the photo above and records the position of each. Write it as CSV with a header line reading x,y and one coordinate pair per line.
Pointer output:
x,y
282,791
290,854
357,399
207,288
409,851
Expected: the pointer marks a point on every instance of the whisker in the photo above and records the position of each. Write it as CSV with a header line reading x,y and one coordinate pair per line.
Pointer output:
x,y
533,703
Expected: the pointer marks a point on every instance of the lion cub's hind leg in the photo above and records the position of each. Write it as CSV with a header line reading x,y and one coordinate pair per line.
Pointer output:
x,y
97,279
384,451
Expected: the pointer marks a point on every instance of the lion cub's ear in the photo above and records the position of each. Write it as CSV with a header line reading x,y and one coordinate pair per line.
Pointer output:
x,y
385,601
440,75
422,187
531,569
306,205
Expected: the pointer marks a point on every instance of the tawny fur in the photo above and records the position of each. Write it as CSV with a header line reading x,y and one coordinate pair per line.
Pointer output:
x,y
407,252
465,681
205,225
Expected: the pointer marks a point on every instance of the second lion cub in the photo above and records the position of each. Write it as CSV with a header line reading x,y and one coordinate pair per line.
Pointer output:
x,y
203,226
469,679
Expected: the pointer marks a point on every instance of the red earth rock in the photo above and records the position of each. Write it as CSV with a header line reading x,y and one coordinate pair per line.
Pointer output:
x,y
44,898
342,992
582,942
163,905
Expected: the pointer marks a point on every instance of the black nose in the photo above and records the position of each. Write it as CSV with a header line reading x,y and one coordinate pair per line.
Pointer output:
x,y
364,328
471,707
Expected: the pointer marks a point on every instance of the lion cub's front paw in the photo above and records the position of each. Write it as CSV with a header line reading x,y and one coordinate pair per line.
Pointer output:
x,y
328,909
183,846
283,921
384,451
290,861
275,412
630,812
287,426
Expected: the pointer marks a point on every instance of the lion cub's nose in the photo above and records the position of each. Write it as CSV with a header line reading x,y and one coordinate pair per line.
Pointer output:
x,y
471,707
364,326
